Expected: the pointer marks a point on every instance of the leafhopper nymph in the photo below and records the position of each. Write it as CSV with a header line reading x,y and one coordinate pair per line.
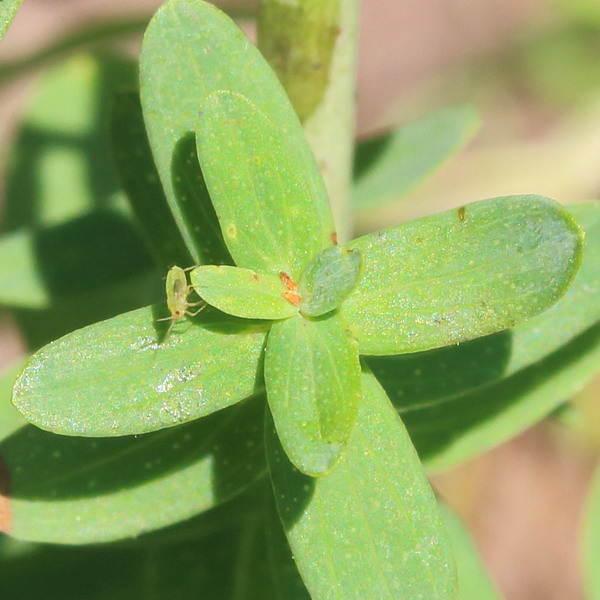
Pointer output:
x,y
178,291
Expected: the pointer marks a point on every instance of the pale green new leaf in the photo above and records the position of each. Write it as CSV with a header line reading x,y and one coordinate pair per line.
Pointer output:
x,y
328,280
312,374
389,167
266,199
474,581
208,54
242,292
121,377
461,274
371,528
73,490
8,10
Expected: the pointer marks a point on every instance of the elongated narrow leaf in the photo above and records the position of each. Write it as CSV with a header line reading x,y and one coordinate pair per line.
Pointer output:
x,y
312,374
328,280
523,373
121,376
371,528
451,432
8,10
474,582
76,490
242,292
389,167
207,54
461,274
264,197
591,538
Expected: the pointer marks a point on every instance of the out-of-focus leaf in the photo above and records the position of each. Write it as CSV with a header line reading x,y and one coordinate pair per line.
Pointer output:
x,y
269,198
76,490
121,377
328,280
461,274
312,373
474,582
242,292
374,508
298,40
20,282
8,10
61,165
390,166
236,550
591,539
523,373
208,54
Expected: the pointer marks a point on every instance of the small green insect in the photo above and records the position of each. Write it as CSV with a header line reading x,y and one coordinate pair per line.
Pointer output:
x,y
178,291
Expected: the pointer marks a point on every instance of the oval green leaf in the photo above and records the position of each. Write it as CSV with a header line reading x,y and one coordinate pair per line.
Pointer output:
x,y
118,377
461,274
328,280
73,490
312,374
371,528
460,401
266,199
389,167
208,53
242,292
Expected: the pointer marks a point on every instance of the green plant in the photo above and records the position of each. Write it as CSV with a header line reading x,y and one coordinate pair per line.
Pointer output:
x,y
179,416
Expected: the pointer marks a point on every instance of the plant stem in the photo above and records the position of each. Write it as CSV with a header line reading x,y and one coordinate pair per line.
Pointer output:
x,y
311,45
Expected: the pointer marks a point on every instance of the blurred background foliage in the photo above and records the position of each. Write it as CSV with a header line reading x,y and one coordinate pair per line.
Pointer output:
x,y
531,67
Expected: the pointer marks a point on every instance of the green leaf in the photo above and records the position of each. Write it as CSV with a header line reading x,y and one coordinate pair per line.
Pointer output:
x,y
267,198
118,377
236,550
328,280
371,528
61,164
242,292
390,166
134,162
76,490
591,539
458,402
8,10
21,283
461,274
312,373
207,53
474,582
298,40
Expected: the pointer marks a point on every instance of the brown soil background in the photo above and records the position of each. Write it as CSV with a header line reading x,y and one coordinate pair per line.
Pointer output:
x,y
522,500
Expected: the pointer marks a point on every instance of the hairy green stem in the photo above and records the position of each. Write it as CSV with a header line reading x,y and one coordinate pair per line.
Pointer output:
x,y
311,44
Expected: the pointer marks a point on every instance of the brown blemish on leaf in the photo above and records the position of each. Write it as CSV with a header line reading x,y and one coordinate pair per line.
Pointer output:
x,y
334,237
291,295
5,514
462,214
255,277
